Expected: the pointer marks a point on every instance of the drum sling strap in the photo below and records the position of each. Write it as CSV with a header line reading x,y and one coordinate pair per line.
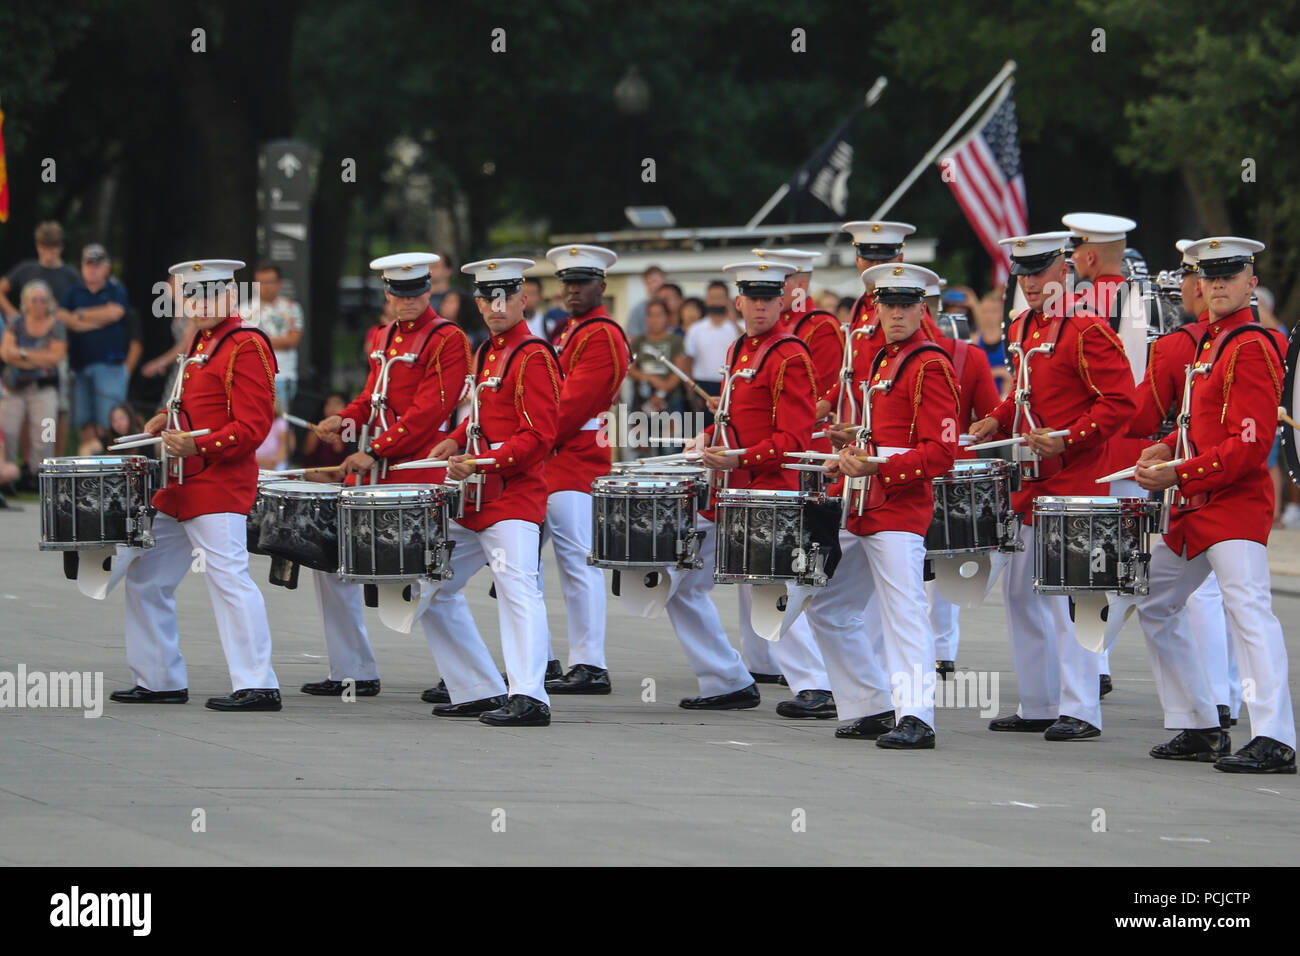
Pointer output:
x,y
418,343
760,359
1212,357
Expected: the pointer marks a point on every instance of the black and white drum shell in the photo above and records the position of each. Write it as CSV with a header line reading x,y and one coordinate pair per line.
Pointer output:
x,y
972,509
394,532
770,536
645,520
1092,544
300,522
94,502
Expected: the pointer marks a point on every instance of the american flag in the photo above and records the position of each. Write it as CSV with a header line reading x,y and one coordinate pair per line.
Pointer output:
x,y
984,174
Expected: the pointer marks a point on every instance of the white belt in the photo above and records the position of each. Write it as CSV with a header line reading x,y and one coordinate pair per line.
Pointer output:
x,y
494,445
591,425
887,451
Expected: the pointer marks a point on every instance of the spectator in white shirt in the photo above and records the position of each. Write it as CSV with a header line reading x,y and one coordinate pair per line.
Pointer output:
x,y
281,319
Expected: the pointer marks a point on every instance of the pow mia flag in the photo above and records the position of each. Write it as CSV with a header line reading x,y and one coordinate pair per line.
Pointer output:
x,y
825,176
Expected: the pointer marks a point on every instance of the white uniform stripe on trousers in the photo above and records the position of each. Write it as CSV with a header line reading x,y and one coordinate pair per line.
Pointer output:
x,y
699,629
510,549
152,632
568,527
342,614
1057,676
1183,678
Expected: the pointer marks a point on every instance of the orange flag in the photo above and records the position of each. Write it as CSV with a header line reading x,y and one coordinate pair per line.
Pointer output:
x,y
4,175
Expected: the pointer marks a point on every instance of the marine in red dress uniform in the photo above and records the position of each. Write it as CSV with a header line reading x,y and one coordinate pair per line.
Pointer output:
x,y
517,391
1221,521
593,361
884,683
418,401
1084,385
230,393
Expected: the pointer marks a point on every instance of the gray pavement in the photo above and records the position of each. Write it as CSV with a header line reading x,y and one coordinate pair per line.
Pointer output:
x,y
613,780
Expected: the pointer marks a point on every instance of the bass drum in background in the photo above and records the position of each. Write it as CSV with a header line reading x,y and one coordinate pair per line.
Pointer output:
x,y
1291,405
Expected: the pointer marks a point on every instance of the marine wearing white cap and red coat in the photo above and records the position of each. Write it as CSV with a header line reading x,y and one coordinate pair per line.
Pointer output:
x,y
422,394
816,328
1221,521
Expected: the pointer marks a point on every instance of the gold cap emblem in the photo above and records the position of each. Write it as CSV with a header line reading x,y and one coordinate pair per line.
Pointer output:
x,y
492,265
406,268
875,227
898,270
198,267
1214,243
1020,243
763,267
573,250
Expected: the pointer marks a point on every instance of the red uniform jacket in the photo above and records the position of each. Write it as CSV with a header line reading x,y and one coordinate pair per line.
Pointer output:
x,y
917,413
821,332
770,414
1085,385
519,418
978,393
1233,420
233,394
593,361
1161,392
421,395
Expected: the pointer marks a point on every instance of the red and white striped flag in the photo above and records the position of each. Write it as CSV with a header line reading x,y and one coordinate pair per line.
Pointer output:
x,y
984,174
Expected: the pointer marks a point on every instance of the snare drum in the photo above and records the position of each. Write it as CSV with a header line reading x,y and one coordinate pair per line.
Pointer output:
x,y
645,520
770,536
300,522
394,532
95,502
972,510
1092,544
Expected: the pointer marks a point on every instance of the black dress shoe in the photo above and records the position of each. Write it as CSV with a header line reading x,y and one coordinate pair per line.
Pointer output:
x,y
581,679
139,695
335,688
1019,725
765,678
912,733
944,668
819,704
248,699
554,670
1203,745
1225,717
1071,728
437,695
866,728
519,711
741,699
471,708
1261,755
1104,685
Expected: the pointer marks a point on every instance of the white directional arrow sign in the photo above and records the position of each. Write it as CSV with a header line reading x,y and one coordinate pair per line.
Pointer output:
x,y
289,164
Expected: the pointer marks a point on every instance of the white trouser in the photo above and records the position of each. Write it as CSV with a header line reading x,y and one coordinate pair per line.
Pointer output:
x,y
1124,488
1209,625
1057,676
795,654
342,615
1182,675
510,549
882,574
153,650
944,619
756,652
699,629
568,526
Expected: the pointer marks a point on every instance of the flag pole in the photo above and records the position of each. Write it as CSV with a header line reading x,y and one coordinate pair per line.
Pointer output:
x,y
1007,69
873,95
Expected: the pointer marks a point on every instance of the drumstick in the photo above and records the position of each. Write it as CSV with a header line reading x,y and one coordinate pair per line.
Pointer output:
x,y
827,456
1130,472
1286,419
821,468
295,420
439,463
305,471
134,437
1019,440
688,380
158,439
660,459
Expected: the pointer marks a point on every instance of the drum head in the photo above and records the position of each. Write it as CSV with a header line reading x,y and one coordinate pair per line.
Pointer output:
x,y
94,464
379,495
1291,404
628,484
294,487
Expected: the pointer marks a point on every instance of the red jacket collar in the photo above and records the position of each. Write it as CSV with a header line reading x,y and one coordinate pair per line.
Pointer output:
x,y
419,322
513,335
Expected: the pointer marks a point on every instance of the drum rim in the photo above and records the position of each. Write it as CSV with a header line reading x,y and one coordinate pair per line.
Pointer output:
x,y
659,483
325,488
767,495
112,464
1065,503
393,494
